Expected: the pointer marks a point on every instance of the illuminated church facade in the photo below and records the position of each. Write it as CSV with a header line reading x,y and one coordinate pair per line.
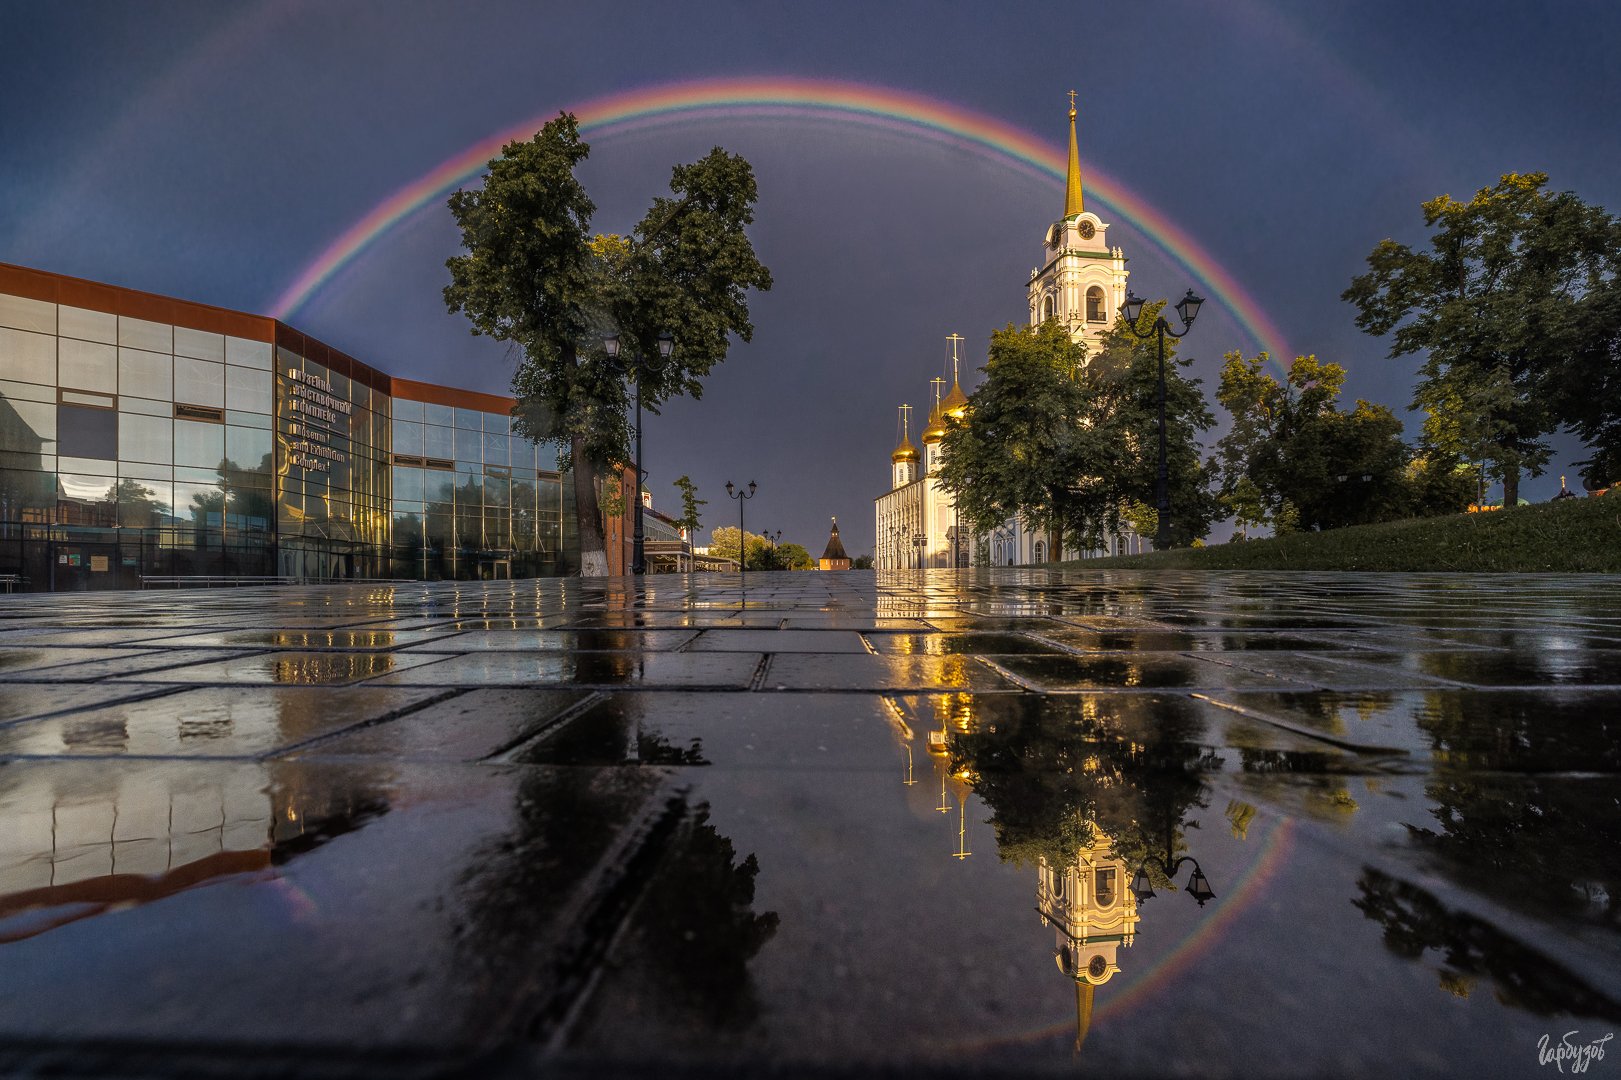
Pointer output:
x,y
1081,284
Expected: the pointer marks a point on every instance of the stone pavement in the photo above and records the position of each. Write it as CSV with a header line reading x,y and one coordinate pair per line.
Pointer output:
x,y
869,821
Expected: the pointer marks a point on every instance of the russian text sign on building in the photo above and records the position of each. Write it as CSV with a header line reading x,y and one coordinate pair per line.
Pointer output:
x,y
314,410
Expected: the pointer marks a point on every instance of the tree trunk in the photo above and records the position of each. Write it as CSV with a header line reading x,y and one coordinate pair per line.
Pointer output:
x,y
1057,552
1511,488
587,515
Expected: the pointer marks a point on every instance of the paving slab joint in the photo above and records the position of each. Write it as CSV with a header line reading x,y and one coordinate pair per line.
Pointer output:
x,y
509,753
393,714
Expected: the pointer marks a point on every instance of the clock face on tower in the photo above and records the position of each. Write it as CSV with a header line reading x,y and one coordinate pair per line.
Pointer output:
x,y
1057,240
1088,230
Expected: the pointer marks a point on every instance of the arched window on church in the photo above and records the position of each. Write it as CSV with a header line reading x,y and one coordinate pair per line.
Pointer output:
x,y
1094,305
1046,309
1041,551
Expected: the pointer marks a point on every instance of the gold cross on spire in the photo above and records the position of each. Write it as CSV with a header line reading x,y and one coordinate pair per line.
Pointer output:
x,y
1072,103
937,384
954,338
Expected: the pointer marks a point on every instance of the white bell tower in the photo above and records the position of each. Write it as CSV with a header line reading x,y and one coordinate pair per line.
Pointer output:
x,y
1082,280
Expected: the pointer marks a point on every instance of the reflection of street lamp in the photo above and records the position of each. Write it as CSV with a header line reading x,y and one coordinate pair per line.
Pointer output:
x,y
1198,884
1188,309
742,548
638,561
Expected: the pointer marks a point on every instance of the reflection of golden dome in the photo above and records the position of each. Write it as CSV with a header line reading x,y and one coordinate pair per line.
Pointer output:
x,y
937,427
905,451
955,403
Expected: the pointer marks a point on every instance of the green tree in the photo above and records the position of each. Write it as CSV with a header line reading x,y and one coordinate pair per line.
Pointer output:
x,y
535,277
1246,505
1290,440
723,542
1515,285
1125,408
689,506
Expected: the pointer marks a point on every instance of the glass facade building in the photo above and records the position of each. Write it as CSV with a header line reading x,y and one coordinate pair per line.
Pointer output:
x,y
143,437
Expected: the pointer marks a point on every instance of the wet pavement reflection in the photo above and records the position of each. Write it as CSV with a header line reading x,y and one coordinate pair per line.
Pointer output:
x,y
995,822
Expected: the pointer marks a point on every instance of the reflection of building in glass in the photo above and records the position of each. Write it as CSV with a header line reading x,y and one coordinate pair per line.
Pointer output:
x,y
142,436
82,841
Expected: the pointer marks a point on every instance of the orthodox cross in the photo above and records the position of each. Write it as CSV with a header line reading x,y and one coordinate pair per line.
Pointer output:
x,y
938,384
954,338
1072,101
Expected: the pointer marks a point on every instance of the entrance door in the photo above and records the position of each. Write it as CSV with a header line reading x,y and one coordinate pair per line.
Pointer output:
x,y
84,567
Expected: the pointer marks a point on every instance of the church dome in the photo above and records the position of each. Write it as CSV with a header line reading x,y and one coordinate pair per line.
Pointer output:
x,y
905,451
937,426
954,404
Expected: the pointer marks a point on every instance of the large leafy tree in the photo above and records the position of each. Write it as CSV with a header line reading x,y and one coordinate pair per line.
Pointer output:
x,y
1125,377
1027,447
535,276
1515,285
1290,440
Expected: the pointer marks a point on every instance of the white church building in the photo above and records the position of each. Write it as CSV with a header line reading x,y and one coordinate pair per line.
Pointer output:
x,y
1081,283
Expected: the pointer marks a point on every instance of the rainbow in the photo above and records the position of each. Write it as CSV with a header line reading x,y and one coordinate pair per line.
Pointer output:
x,y
857,103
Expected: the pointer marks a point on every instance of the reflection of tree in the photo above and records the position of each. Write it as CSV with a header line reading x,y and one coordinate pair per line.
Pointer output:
x,y
1052,769
1414,921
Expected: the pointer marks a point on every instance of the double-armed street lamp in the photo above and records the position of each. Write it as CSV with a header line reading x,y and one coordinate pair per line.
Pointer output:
x,y
641,365
1188,309
1198,885
742,548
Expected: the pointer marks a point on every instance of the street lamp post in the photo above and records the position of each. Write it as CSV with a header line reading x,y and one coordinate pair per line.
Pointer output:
x,y
742,548
638,561
1188,309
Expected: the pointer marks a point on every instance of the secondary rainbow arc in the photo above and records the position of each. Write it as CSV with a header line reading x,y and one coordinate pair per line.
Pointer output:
x,y
850,102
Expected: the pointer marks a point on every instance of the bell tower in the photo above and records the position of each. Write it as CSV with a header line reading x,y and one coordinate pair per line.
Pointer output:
x,y
1081,281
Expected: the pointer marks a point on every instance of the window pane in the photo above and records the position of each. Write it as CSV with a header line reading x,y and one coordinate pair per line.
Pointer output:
x,y
28,357
88,325
409,484
140,334
145,504
86,433
21,313
246,353
546,457
247,390
470,419
202,504
499,423
198,382
249,449
86,500
437,443
196,343
27,427
495,450
469,445
469,492
442,415
201,445
497,491
85,365
407,410
147,375
406,438
146,438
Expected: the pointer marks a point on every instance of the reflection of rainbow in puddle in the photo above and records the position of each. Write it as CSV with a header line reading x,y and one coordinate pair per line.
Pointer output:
x,y
1242,895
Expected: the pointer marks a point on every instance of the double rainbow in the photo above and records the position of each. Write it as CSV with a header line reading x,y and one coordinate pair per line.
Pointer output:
x,y
853,103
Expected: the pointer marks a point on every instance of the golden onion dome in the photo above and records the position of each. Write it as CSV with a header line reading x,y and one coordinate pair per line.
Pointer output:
x,y
937,427
955,403
905,451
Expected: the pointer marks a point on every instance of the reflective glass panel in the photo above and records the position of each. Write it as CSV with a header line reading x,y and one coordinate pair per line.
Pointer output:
x,y
140,334
147,375
470,419
443,415
27,427
198,382
249,449
499,423
496,451
201,504
404,409
28,357
247,353
146,438
409,484
406,438
469,445
21,313
145,504
438,442
247,390
86,365
199,345
198,444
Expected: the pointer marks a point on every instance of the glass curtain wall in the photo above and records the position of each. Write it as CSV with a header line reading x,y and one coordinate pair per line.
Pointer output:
x,y
472,501
332,510
130,448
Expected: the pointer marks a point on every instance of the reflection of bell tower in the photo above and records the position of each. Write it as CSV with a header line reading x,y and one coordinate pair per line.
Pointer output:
x,y
1095,913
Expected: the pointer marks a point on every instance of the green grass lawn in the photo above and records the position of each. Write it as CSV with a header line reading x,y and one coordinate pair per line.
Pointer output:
x,y
1570,536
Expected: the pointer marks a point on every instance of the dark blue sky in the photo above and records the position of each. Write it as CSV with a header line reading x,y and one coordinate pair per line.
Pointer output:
x,y
211,151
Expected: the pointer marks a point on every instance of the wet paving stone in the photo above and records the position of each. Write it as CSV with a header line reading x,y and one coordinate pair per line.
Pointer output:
x,y
899,824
